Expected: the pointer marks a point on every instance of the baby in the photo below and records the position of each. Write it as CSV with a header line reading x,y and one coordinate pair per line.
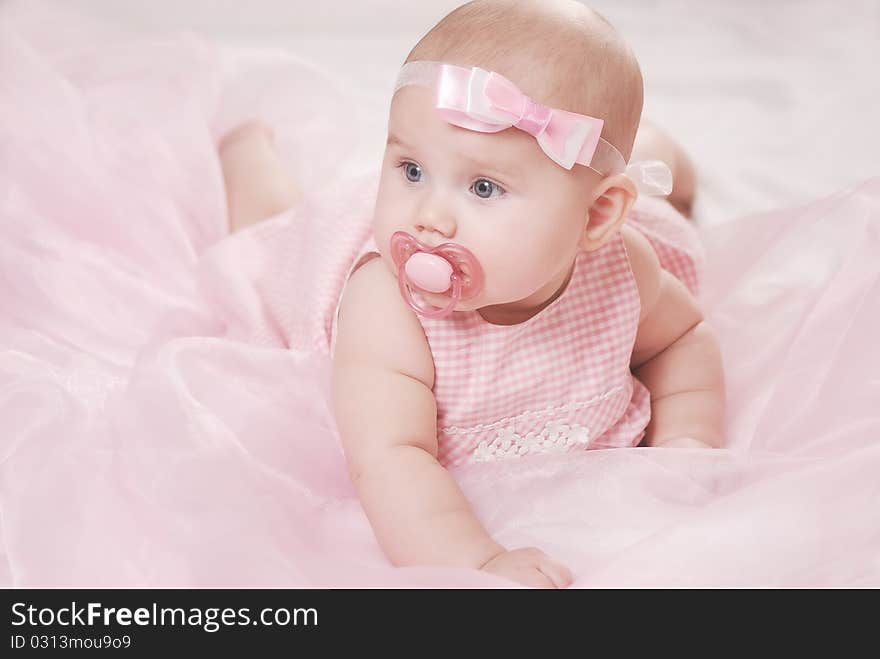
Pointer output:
x,y
513,299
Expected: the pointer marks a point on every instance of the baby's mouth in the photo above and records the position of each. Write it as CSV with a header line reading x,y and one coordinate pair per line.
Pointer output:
x,y
464,271
448,269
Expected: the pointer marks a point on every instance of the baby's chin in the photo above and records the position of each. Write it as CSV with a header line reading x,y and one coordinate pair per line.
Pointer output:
x,y
442,299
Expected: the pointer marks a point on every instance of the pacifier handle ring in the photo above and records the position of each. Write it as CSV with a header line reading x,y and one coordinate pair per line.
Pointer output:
x,y
429,312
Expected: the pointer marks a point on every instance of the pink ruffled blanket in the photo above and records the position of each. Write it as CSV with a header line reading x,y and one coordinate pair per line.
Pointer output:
x,y
143,444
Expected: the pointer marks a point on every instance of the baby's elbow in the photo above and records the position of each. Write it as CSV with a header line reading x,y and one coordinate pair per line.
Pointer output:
x,y
386,462
704,334
706,342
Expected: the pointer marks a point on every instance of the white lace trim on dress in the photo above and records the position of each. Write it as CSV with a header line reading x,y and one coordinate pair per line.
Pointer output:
x,y
554,437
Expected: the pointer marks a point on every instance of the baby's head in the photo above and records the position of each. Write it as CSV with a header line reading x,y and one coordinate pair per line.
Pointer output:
x,y
522,215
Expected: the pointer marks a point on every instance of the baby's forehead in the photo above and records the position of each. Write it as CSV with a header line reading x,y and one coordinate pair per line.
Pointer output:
x,y
414,122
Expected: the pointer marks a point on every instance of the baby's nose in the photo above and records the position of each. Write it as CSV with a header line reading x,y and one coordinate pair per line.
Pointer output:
x,y
447,229
436,218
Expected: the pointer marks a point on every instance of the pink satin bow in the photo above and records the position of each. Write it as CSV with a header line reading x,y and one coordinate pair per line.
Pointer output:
x,y
487,102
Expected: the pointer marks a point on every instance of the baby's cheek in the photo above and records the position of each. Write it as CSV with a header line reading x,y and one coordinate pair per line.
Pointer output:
x,y
513,275
388,215
382,232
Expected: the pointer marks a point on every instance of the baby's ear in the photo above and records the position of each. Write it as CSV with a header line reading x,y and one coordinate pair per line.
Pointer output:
x,y
616,195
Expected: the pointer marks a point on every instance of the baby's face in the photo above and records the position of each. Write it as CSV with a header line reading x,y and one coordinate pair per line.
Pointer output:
x,y
497,194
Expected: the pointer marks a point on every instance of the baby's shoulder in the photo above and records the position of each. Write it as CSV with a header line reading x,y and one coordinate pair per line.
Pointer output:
x,y
376,327
645,266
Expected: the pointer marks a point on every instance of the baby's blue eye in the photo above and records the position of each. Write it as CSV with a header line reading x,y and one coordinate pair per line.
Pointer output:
x,y
483,188
413,172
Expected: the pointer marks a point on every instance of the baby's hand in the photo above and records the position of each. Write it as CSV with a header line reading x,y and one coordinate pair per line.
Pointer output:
x,y
530,567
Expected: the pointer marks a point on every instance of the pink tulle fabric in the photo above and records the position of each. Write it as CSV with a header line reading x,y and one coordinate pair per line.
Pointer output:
x,y
143,442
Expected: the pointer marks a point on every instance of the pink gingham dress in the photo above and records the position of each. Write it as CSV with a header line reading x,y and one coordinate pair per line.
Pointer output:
x,y
556,382
559,381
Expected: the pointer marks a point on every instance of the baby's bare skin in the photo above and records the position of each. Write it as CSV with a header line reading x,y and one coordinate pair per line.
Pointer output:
x,y
258,185
652,143
249,161
383,370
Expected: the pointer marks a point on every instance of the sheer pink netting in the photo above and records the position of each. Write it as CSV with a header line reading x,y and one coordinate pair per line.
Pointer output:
x,y
144,444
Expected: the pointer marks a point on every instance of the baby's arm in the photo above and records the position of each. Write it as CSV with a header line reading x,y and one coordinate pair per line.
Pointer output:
x,y
386,414
676,356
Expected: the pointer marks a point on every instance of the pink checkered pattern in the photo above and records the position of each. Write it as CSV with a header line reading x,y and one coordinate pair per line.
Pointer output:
x,y
673,238
558,382
568,365
298,262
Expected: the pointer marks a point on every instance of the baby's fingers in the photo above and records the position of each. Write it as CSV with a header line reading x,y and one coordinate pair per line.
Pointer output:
x,y
556,572
535,578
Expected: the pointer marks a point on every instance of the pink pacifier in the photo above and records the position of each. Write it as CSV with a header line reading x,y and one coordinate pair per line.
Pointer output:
x,y
435,270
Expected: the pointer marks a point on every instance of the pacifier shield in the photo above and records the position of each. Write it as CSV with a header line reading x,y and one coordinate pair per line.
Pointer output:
x,y
435,270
